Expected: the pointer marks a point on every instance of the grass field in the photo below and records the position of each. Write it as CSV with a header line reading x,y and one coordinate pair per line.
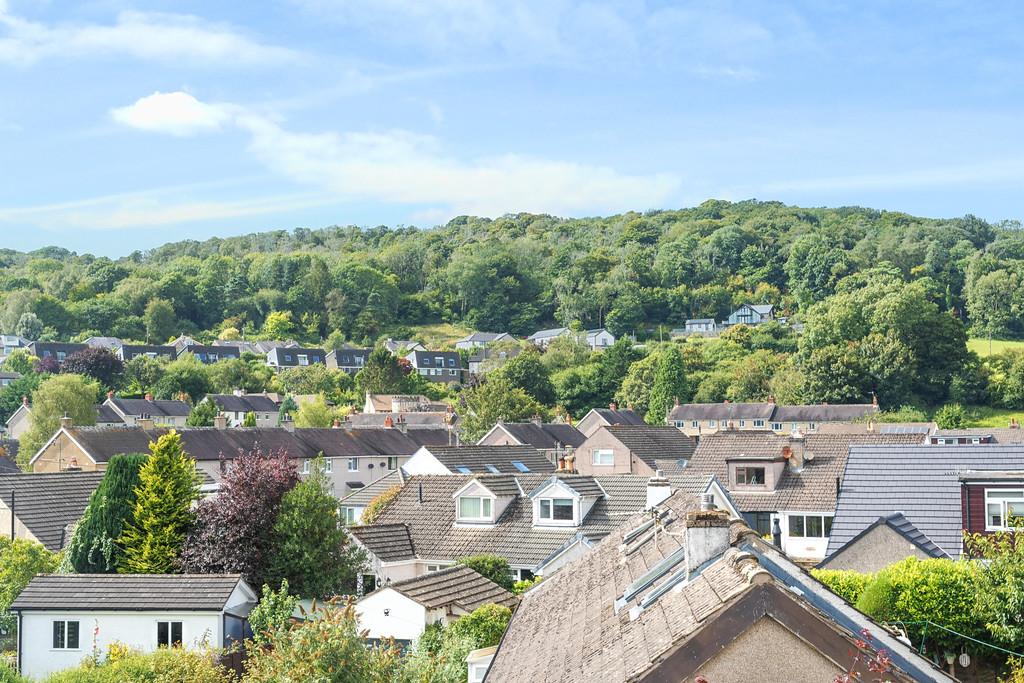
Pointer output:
x,y
984,416
981,346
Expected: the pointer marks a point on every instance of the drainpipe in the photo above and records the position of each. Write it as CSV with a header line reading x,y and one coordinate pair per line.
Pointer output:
x,y
12,514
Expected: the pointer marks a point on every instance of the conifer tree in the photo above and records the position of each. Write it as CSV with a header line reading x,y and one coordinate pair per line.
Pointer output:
x,y
250,419
93,548
382,374
669,384
162,515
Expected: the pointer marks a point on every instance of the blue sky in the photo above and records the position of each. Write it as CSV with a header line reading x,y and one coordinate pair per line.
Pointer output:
x,y
127,123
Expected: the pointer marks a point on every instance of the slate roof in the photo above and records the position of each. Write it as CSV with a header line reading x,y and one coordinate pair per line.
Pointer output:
x,y
548,334
127,592
902,526
483,337
209,443
658,446
246,403
433,535
155,409
620,417
363,496
568,630
1003,435
920,481
456,586
475,458
289,356
47,503
832,412
8,464
544,436
418,420
812,489
107,415
771,412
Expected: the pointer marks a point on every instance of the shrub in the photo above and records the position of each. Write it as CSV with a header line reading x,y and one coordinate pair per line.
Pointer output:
x,y
484,626
847,584
9,675
951,416
272,612
93,548
520,587
175,665
440,654
491,566
20,560
377,505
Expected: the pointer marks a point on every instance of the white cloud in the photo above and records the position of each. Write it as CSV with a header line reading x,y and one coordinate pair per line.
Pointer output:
x,y
176,113
407,168
144,35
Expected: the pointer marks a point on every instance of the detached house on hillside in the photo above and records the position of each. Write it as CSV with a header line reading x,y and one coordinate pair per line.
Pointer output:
x,y
235,407
751,314
56,350
293,357
165,413
477,340
632,449
127,352
437,366
349,361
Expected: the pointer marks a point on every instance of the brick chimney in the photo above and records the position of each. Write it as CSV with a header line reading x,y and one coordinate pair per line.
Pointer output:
x,y
145,423
287,423
570,463
535,419
707,533
402,426
388,422
771,399
796,450
66,422
24,401
237,392
220,422
336,424
658,490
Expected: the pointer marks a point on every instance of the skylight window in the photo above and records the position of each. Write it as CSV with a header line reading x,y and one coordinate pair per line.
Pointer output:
x,y
464,470
520,466
492,469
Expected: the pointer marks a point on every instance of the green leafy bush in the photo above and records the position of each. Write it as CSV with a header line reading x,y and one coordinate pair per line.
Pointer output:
x,y
847,584
483,626
491,566
175,665
272,612
520,587
9,675
440,654
952,416
20,560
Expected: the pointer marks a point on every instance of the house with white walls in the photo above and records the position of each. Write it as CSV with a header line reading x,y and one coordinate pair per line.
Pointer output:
x,y
64,618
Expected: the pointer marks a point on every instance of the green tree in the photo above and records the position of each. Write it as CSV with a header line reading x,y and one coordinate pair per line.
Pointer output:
x,y
669,386
162,514
29,326
278,325
20,361
93,548
382,373
315,413
250,419
492,567
440,654
288,408
951,416
14,394
272,613
635,390
311,548
160,321
202,414
526,371
999,585
142,374
186,374
492,400
20,560
57,396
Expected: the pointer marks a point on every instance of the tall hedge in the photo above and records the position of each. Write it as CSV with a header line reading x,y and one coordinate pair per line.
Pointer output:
x,y
845,583
93,548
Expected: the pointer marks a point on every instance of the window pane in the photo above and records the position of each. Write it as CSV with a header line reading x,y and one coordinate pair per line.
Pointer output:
x,y
796,527
176,633
486,506
995,515
469,507
828,526
161,634
72,635
563,509
545,508
813,527
58,635
1014,512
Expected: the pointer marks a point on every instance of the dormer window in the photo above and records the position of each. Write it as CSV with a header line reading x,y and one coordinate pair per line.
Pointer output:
x,y
556,509
475,509
750,476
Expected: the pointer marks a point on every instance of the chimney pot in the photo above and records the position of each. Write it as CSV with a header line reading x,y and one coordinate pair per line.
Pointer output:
x,y
336,424
220,421
24,400
145,423
771,399
677,401
66,421
658,490
388,421
286,423
707,535
110,395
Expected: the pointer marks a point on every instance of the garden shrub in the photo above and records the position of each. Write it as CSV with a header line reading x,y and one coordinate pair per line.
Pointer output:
x,y
491,566
175,665
845,583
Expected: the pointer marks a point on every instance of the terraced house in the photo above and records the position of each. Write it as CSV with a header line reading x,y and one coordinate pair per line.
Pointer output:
x,y
697,419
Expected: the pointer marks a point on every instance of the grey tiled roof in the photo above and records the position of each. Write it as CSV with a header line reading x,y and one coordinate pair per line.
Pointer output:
x,y
920,481
7,464
455,586
812,489
1004,435
902,526
546,435
434,535
653,443
156,409
475,458
425,420
620,416
771,412
722,411
363,496
107,415
47,503
832,412
388,542
130,592
246,403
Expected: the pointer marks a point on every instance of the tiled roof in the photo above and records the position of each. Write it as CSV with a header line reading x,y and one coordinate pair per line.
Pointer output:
x,y
7,463
476,458
546,334
107,415
363,496
579,626
813,488
771,412
620,417
1004,435
545,435
130,592
902,526
454,586
47,503
583,485
831,412
920,481
246,403
483,337
156,409
425,420
210,443
654,444
426,507
389,542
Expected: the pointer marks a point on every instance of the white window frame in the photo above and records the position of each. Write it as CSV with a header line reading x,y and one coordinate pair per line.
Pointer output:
x,y
550,503
736,475
743,423
328,465
776,426
170,633
486,509
824,533
64,644
350,516
695,424
303,359
353,464
305,466
759,423
392,462
596,457
712,423
1001,497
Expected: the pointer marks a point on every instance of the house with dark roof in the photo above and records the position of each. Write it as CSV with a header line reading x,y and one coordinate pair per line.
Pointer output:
x,y
257,347
109,343
294,357
438,366
6,378
942,490
63,617
165,413
403,609
697,419
476,340
477,460
43,507
127,352
209,354
537,522
603,417
751,314
598,339
55,350
553,439
402,403
21,419
684,592
235,407
349,361
887,540
543,338
402,347
976,436
784,485
634,449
